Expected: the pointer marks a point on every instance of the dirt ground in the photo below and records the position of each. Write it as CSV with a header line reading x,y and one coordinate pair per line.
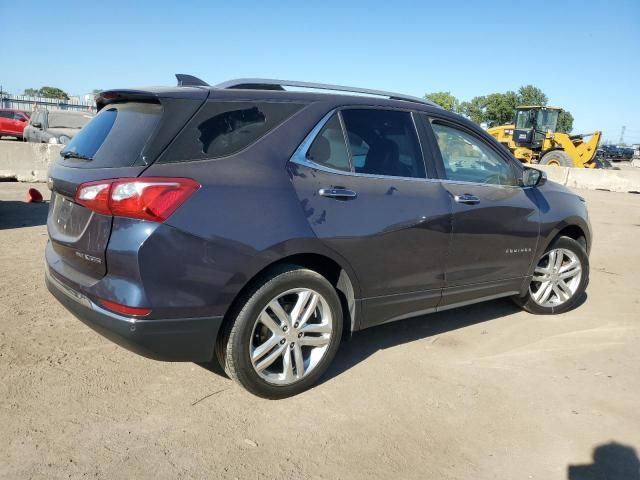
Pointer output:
x,y
484,392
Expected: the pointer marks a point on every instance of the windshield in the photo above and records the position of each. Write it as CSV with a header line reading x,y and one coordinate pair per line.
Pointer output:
x,y
523,120
68,119
547,120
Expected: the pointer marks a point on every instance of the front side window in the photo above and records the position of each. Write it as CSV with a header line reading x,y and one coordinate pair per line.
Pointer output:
x,y
547,120
466,158
383,142
329,148
524,120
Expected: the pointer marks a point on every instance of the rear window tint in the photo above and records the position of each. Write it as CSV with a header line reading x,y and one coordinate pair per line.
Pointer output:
x,y
225,128
116,137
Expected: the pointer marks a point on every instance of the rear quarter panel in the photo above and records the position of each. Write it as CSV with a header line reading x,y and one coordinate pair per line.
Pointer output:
x,y
245,217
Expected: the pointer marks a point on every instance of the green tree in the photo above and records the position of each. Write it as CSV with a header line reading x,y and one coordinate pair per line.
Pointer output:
x,y
53,92
565,122
499,108
474,109
445,100
530,95
31,92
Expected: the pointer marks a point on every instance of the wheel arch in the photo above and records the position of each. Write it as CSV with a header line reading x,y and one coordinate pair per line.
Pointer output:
x,y
337,273
573,230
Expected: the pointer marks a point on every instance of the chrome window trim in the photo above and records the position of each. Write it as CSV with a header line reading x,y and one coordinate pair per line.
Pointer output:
x,y
300,155
480,184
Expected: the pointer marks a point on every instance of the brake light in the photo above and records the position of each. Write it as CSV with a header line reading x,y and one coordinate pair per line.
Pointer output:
x,y
146,198
123,309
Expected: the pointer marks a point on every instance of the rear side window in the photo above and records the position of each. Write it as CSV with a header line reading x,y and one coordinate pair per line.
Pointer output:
x,y
116,137
329,148
225,128
383,142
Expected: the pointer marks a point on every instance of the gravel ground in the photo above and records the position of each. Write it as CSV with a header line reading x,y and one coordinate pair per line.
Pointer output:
x,y
482,392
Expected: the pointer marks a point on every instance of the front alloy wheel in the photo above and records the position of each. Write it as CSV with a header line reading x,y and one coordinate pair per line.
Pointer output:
x,y
559,279
556,278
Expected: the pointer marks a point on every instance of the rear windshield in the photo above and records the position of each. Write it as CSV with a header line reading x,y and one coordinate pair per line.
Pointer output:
x,y
116,137
225,128
75,120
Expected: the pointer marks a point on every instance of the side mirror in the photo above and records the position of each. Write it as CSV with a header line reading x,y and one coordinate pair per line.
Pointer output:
x,y
532,177
36,125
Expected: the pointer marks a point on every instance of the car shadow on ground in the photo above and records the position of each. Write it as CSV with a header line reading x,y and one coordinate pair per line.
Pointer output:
x,y
367,342
15,214
610,461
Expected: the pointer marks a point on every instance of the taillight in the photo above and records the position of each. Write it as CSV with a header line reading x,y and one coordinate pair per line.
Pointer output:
x,y
146,198
124,309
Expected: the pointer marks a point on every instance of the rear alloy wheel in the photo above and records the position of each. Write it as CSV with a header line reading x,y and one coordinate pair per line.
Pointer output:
x,y
559,279
284,334
290,336
557,158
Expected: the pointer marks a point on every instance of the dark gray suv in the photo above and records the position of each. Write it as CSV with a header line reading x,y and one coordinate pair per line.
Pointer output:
x,y
262,225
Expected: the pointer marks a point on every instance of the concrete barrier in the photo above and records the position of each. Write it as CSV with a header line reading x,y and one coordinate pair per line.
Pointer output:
x,y
26,162
594,179
29,162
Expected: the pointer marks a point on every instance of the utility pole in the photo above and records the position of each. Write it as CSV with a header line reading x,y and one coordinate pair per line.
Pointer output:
x,y
622,134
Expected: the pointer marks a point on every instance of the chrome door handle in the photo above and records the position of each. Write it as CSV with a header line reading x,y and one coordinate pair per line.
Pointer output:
x,y
466,198
337,192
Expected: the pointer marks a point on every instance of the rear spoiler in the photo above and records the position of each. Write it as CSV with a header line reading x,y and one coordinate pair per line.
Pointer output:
x,y
118,96
150,95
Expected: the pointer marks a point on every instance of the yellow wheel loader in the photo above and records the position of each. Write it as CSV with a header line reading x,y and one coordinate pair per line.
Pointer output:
x,y
533,139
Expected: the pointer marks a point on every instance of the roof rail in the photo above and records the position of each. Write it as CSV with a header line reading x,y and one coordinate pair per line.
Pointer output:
x,y
269,84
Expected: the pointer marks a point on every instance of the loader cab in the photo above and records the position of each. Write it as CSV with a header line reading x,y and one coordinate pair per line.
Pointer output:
x,y
532,124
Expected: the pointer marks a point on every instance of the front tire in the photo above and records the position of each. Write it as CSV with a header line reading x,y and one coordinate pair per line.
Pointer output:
x,y
559,280
283,334
558,158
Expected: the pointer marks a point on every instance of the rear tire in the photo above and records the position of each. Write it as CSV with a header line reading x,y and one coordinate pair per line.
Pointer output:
x,y
264,328
558,158
558,284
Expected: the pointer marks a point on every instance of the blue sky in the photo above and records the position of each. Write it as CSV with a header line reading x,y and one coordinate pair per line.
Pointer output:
x,y
586,58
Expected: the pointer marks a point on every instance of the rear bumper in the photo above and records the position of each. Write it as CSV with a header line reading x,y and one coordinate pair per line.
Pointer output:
x,y
177,340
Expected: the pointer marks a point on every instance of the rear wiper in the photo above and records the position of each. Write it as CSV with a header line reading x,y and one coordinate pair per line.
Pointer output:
x,y
79,156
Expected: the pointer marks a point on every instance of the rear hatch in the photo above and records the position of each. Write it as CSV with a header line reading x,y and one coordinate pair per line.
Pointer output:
x,y
126,136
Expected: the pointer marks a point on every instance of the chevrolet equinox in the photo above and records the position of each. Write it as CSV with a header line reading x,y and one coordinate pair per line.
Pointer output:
x,y
261,224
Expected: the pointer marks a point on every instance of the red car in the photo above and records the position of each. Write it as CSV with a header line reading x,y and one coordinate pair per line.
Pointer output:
x,y
12,122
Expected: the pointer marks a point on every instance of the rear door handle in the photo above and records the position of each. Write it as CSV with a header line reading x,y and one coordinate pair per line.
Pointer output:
x,y
337,192
466,198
